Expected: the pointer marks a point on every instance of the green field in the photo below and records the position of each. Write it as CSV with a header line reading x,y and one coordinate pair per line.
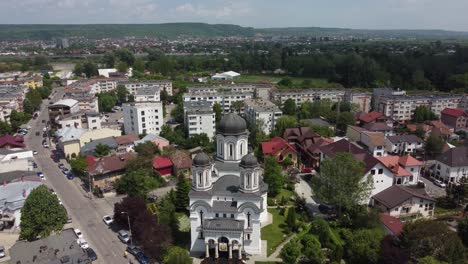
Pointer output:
x,y
274,233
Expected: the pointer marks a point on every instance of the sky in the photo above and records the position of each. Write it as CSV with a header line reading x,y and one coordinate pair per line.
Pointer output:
x,y
358,14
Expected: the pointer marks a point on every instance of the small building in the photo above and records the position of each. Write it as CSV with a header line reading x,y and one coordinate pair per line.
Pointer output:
x,y
8,142
106,170
148,94
62,108
182,162
406,169
162,165
403,144
455,118
229,75
380,127
81,119
199,118
264,112
16,159
392,225
56,249
18,175
157,140
89,148
405,203
374,142
452,165
280,149
371,117
126,143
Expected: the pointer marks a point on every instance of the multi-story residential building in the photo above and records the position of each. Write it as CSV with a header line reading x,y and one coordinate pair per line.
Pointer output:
x,y
62,108
12,97
148,94
456,118
264,112
134,86
362,99
374,142
401,108
87,120
452,165
225,99
143,118
307,95
235,88
199,118
403,144
379,93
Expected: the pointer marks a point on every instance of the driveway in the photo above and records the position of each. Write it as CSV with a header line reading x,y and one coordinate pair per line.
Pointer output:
x,y
304,190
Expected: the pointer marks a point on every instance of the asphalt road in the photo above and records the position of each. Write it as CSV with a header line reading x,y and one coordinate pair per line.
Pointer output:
x,y
86,213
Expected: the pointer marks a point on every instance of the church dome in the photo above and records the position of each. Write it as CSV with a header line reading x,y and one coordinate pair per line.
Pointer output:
x,y
201,159
249,160
232,124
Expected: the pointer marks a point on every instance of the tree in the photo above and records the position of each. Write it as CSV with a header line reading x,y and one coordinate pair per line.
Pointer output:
x,y
363,245
290,253
5,128
423,113
287,82
90,69
18,118
273,175
102,150
136,183
109,59
344,120
328,238
237,106
125,56
147,149
41,214
434,145
177,255
312,249
462,230
78,69
106,102
182,191
323,131
341,183
122,93
178,113
430,260
291,218
122,67
433,238
289,107
79,165
284,122
139,65
218,111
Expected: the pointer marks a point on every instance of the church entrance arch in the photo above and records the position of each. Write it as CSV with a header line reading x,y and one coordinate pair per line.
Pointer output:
x,y
223,247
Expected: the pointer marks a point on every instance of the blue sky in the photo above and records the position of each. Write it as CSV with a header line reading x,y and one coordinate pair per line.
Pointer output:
x,y
369,14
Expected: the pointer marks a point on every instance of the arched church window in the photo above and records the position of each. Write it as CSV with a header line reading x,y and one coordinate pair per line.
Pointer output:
x,y
248,219
200,179
248,179
231,150
241,149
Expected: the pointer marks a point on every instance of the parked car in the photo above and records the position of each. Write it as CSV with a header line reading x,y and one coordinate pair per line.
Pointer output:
x,y
108,219
65,171
41,175
83,243
35,152
61,166
38,133
91,254
78,233
45,145
53,156
124,236
2,252
134,250
142,258
35,164
440,183
70,175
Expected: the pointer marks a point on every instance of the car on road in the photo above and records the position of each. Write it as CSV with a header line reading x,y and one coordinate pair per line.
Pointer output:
x,y
2,252
53,156
108,219
43,121
124,236
70,175
65,171
91,254
142,258
61,166
35,164
38,133
83,243
45,145
78,233
41,175
35,152
440,183
134,250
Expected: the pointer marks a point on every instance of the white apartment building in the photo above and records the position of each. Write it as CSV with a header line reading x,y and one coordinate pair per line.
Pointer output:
x,y
132,87
264,110
199,118
401,107
225,99
403,144
143,118
235,88
16,159
148,94
307,95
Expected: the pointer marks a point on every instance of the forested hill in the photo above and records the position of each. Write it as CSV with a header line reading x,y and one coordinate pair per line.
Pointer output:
x,y
172,30
97,31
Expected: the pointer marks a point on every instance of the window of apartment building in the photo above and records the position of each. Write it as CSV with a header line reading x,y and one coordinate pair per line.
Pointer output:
x,y
380,171
217,215
232,215
372,172
142,113
143,119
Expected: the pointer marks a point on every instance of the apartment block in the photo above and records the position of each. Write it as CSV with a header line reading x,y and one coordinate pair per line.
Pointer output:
x,y
362,99
148,93
143,118
199,118
266,112
225,99
133,87
307,95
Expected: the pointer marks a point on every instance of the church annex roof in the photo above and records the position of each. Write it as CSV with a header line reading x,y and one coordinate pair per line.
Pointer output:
x,y
229,185
249,161
201,159
223,224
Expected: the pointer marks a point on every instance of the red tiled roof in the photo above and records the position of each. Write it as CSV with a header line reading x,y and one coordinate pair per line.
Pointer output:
x,y
161,162
275,145
12,141
370,117
391,223
181,160
126,139
455,112
408,160
108,164
392,163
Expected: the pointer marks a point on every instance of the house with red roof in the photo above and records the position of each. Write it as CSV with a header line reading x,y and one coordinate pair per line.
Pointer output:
x,y
106,170
373,117
455,118
392,225
162,165
8,142
406,169
279,148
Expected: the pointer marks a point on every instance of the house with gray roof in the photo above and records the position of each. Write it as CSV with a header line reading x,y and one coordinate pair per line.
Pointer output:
x,y
60,248
89,148
403,144
451,165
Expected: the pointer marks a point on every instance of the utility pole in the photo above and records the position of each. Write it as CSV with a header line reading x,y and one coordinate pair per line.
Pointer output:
x,y
129,227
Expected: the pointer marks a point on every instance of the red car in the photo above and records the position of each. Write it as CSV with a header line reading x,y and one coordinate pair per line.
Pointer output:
x,y
53,156
306,170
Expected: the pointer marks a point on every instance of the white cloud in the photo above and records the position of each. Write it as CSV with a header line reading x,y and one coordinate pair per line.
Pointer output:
x,y
224,9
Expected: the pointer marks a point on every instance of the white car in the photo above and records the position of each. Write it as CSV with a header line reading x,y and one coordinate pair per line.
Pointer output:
x,y
78,233
34,152
2,252
440,184
83,243
45,145
108,219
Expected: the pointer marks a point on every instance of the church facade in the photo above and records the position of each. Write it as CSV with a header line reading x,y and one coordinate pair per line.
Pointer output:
x,y
228,200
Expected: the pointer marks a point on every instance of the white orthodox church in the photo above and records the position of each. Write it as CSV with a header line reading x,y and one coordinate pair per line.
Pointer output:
x,y
228,200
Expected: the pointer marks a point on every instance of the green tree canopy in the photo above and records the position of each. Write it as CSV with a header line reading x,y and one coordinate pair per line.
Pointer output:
x,y
434,145
177,255
290,253
363,245
136,183
291,218
122,93
218,110
462,230
182,191
106,101
79,165
273,175
237,106
289,107
102,150
41,214
147,149
312,249
5,128
341,183
284,122
423,113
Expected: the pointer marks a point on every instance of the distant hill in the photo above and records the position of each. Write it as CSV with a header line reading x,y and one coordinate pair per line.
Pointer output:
x,y
172,30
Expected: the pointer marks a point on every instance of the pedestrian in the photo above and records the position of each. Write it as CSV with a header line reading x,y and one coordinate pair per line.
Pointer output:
x,y
125,254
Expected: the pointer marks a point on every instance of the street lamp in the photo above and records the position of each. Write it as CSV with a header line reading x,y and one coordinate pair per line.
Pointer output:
x,y
129,227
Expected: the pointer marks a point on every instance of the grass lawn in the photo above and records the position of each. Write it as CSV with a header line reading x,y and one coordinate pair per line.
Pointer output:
x,y
445,212
274,233
286,194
